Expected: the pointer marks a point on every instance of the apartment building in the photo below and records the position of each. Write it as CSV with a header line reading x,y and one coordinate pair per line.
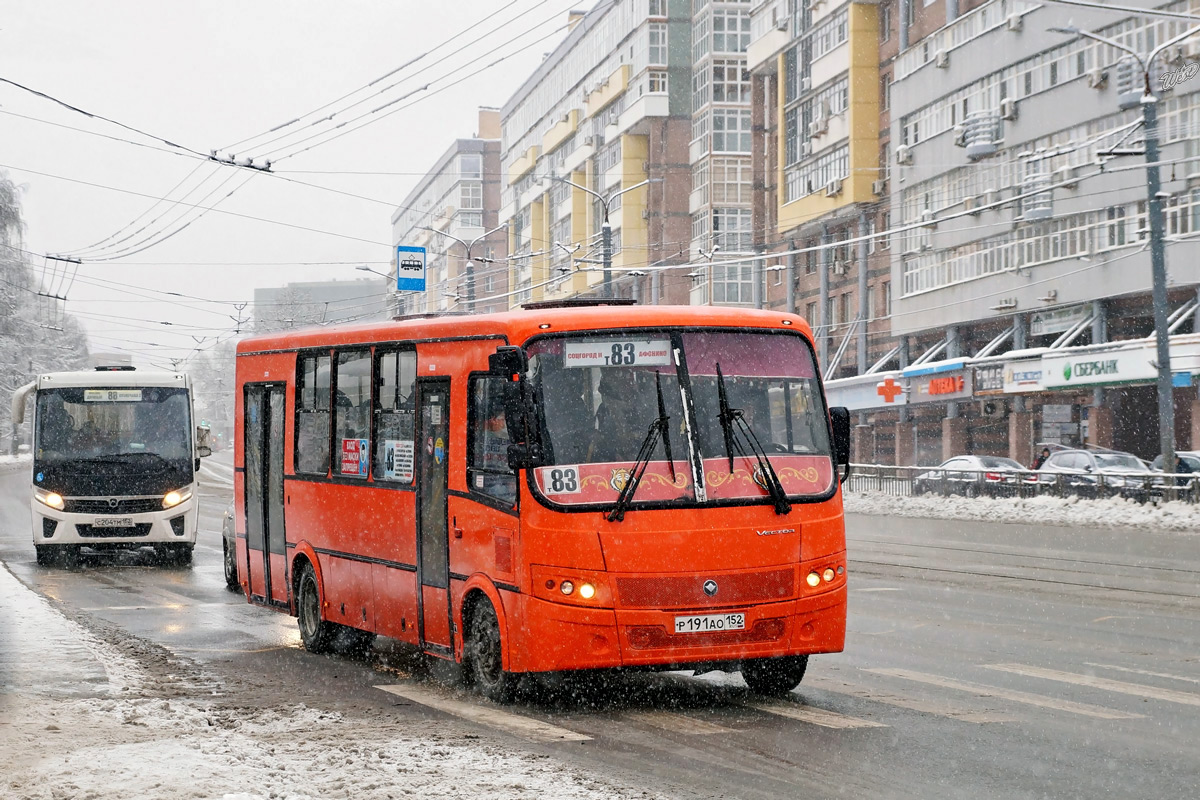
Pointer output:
x,y
455,206
599,132
816,74
1018,201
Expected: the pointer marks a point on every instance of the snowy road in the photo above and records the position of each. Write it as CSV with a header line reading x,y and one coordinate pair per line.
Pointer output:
x,y
982,660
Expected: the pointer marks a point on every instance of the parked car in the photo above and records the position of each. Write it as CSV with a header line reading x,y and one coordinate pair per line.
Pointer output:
x,y
970,476
229,548
1189,481
1094,473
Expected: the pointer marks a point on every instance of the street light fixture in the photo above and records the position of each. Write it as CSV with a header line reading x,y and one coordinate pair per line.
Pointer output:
x,y
395,292
1158,264
470,262
605,227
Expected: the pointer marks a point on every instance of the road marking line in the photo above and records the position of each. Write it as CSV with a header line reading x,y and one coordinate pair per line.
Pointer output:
x,y
677,723
1144,672
1007,694
912,704
876,589
525,727
815,716
1107,684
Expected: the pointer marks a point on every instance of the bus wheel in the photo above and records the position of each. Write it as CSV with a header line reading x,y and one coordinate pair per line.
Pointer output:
x,y
46,554
316,633
482,652
774,676
230,558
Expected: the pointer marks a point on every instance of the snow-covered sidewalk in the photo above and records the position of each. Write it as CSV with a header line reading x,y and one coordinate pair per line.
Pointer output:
x,y
1043,510
83,718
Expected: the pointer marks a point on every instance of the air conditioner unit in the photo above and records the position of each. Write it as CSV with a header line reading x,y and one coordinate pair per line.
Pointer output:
x,y
1008,108
833,188
1066,177
879,188
782,24
839,266
824,111
1098,79
960,136
805,83
645,213
612,116
904,154
992,408
971,204
805,149
1016,22
941,60
818,126
927,220
991,197
589,141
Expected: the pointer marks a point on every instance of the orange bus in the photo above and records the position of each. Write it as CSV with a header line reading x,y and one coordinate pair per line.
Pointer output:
x,y
566,486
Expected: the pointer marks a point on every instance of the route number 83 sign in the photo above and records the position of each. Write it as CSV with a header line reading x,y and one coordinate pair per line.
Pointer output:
x,y
618,353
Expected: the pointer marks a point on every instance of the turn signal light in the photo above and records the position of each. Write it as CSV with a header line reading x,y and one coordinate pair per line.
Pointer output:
x,y
828,574
566,587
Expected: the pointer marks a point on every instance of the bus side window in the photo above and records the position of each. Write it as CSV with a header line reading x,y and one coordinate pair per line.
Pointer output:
x,y
395,397
352,413
312,415
487,468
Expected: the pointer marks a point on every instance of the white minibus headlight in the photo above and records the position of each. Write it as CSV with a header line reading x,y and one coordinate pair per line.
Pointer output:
x,y
174,498
52,499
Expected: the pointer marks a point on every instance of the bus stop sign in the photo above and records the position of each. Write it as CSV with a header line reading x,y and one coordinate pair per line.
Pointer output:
x,y
410,268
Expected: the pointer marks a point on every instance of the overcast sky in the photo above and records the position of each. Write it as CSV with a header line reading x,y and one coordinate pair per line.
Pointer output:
x,y
206,74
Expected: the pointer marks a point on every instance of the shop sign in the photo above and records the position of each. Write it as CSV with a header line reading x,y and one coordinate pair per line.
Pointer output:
x,y
1022,376
989,379
867,391
1098,369
1059,320
946,386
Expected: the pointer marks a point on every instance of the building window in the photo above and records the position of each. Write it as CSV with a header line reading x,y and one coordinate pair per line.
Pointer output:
x,y
1115,228
887,298
658,43
658,8
352,413
610,155
885,222
395,382
732,229
470,165
885,92
731,180
701,89
472,195
656,81
730,82
848,314
885,22
811,256
730,31
731,131
870,303
733,283
810,313
312,415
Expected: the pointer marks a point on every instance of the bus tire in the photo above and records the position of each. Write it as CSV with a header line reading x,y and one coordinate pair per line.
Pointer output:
x,y
483,653
774,677
46,554
230,559
316,633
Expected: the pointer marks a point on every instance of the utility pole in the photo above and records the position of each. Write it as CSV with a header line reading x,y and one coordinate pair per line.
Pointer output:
x,y
470,268
1158,262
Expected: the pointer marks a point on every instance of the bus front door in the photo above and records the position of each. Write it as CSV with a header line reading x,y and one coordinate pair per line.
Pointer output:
x,y
433,542
266,550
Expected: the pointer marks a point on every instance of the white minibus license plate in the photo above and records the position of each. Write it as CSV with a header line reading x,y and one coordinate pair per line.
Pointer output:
x,y
113,522
710,623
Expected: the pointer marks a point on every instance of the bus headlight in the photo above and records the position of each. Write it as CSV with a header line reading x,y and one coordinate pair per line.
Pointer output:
x,y
587,591
172,499
52,499
813,579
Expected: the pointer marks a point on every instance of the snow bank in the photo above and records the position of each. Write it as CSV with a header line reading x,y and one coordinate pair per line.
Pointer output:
x,y
1113,512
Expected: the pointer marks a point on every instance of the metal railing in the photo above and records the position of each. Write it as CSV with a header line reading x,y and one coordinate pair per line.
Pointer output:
x,y
916,481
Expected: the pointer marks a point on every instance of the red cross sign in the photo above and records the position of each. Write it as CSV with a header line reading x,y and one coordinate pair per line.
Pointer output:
x,y
888,390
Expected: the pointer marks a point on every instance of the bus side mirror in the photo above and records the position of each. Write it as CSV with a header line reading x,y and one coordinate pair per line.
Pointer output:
x,y
840,417
510,365
203,449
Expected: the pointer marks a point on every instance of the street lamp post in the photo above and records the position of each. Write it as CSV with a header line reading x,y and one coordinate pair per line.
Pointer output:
x,y
605,226
470,271
395,292
1158,263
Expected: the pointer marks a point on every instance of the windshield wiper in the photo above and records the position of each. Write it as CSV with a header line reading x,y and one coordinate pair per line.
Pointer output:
x,y
733,416
659,427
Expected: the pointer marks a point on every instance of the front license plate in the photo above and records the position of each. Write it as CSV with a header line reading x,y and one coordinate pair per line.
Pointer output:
x,y
710,623
113,522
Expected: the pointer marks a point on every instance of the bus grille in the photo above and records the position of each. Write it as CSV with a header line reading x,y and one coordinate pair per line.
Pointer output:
x,y
92,532
125,505
652,637
671,591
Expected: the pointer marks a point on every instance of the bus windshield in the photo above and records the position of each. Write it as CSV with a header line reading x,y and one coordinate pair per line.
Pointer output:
x,y
598,394
80,426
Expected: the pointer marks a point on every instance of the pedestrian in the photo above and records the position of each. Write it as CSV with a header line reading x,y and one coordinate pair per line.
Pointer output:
x,y
1040,459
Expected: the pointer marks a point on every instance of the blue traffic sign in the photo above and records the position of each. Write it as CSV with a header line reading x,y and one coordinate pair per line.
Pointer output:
x,y
410,268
